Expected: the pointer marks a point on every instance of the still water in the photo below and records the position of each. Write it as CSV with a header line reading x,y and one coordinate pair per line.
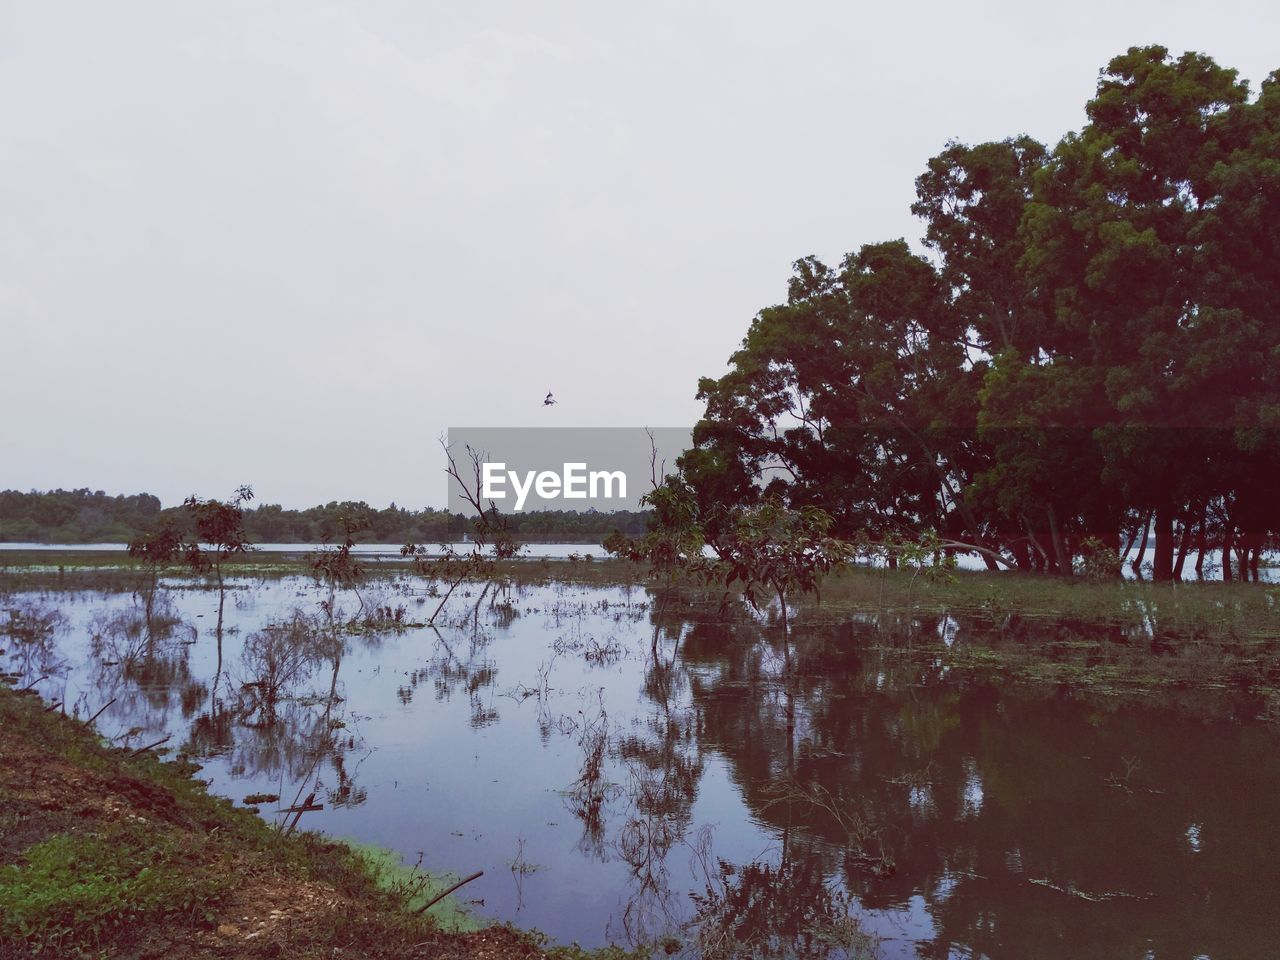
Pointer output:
x,y
627,775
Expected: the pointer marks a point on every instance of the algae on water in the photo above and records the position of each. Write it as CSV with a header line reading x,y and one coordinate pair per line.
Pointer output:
x,y
393,873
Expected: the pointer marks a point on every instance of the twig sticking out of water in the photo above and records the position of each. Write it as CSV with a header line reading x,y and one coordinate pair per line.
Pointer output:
x,y
298,811
101,711
1091,897
440,896
150,746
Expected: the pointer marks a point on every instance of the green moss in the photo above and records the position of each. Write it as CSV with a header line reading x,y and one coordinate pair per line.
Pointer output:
x,y
413,888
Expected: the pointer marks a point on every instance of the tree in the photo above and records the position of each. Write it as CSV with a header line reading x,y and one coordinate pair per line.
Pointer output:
x,y
765,549
856,397
781,552
162,547
219,535
491,538
337,566
1091,349
973,199
1112,256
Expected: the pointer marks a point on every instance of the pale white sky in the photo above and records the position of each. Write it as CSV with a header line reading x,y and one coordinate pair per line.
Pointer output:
x,y
290,243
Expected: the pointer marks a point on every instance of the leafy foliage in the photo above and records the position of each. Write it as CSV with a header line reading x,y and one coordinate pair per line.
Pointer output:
x,y
218,528
1105,312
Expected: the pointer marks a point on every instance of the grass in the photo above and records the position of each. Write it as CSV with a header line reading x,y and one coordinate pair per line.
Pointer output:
x,y
90,889
1211,647
1190,610
414,888
1072,611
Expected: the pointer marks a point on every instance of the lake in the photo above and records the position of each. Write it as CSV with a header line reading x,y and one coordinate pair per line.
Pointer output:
x,y
630,770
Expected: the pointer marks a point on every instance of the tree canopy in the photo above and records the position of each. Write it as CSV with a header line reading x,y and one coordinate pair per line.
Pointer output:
x,y
1089,346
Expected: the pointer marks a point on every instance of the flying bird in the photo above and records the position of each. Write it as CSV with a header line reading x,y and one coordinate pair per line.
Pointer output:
x,y
549,401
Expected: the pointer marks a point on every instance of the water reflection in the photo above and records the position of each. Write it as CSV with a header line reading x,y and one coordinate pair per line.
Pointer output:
x,y
31,629
710,784
466,670
787,909
140,658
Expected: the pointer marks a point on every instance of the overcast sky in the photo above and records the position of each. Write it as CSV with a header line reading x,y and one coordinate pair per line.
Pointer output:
x,y
289,244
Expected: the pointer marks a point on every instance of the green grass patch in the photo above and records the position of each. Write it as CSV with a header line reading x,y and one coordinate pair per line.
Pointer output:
x,y
85,890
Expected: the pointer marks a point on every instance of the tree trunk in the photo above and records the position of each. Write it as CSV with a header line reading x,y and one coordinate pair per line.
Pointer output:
x,y
1227,537
786,624
1202,542
1048,555
222,598
1142,545
1059,548
967,516
1184,544
151,602
1133,538
1037,554
1162,561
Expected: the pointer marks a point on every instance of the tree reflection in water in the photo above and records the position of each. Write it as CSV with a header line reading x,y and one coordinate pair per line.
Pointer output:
x,y
664,766
31,629
141,655
588,794
765,910
459,666
289,705
278,712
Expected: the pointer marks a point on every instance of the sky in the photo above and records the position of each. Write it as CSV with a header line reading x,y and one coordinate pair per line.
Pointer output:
x,y
290,244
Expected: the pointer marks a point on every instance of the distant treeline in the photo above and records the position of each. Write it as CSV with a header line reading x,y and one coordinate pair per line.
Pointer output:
x,y
87,516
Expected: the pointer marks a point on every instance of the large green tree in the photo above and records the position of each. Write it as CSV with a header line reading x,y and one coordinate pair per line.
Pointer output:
x,y
848,397
1094,341
1114,255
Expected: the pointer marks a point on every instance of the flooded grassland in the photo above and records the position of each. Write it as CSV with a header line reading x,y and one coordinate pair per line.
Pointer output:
x,y
911,769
